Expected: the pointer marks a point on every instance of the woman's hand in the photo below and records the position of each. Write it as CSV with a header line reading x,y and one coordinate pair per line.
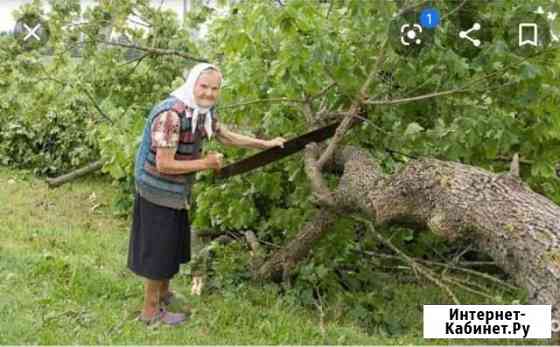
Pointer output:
x,y
278,141
214,161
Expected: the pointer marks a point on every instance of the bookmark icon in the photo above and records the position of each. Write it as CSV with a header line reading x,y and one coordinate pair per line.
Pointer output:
x,y
528,34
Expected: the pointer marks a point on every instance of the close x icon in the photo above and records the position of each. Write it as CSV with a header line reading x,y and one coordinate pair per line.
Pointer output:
x,y
31,32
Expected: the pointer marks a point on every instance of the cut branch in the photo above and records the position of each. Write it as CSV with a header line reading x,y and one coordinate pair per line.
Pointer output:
x,y
60,180
418,268
458,267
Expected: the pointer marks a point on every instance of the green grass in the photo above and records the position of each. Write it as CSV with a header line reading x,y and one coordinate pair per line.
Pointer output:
x,y
63,280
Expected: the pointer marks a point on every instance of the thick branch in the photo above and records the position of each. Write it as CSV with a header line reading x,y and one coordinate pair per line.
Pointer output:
x,y
502,216
287,258
321,192
517,227
60,180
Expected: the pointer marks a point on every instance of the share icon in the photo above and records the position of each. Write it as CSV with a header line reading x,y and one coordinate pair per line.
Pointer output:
x,y
465,34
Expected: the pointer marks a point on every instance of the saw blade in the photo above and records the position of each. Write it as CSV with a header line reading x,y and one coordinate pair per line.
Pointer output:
x,y
273,154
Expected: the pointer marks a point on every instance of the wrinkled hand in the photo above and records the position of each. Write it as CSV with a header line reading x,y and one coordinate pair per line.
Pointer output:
x,y
214,160
278,141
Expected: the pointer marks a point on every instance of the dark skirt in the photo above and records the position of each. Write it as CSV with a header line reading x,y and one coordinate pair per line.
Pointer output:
x,y
160,240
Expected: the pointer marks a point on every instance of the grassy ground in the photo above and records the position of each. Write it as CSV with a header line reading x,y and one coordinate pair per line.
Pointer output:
x,y
63,281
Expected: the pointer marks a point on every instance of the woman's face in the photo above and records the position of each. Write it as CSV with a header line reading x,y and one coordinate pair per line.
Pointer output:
x,y
207,88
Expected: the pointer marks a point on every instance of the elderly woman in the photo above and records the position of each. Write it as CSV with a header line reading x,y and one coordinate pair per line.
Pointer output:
x,y
166,162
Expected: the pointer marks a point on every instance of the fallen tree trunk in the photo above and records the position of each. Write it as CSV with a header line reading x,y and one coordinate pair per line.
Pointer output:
x,y
517,227
60,180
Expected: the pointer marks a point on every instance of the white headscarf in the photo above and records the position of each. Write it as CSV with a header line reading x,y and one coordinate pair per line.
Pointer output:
x,y
185,93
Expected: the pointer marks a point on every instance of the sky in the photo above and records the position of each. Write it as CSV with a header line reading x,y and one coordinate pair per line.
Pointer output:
x,y
7,22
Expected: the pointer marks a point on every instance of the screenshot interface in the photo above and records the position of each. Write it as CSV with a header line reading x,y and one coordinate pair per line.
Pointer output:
x,y
389,169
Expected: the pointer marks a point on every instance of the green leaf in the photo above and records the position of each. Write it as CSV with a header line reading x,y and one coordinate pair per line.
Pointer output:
x,y
413,129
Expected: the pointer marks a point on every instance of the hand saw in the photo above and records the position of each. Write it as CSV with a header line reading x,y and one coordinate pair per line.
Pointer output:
x,y
276,153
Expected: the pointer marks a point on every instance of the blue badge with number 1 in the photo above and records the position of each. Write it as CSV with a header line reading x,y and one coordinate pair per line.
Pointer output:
x,y
429,18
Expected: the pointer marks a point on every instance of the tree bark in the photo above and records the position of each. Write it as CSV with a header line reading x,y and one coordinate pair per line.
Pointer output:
x,y
517,227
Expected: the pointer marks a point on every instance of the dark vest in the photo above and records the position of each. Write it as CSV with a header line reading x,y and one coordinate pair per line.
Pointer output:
x,y
172,191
